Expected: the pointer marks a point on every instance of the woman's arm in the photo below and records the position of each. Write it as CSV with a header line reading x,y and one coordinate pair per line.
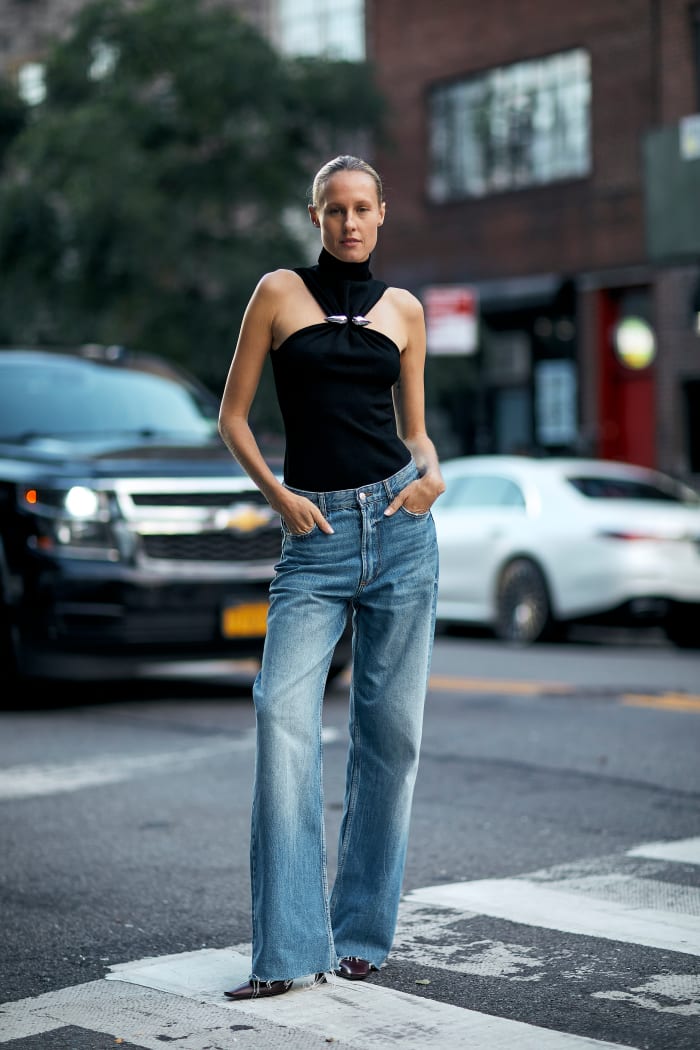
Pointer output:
x,y
254,341
409,401
253,346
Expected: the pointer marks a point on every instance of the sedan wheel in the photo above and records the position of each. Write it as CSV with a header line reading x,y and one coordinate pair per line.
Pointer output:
x,y
523,611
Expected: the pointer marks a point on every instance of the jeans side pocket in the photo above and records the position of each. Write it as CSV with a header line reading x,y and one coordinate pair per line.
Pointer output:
x,y
424,515
297,535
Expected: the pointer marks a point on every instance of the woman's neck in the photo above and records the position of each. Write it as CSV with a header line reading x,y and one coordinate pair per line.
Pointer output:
x,y
336,269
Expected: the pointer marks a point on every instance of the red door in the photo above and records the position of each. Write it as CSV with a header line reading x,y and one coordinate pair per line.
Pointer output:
x,y
627,396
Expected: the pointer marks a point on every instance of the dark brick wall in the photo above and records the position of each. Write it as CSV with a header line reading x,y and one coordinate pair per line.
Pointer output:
x,y
640,78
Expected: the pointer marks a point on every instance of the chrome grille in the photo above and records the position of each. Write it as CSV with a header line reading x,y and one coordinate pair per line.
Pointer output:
x,y
261,545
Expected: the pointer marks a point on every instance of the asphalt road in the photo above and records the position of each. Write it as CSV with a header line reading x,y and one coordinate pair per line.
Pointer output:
x,y
552,892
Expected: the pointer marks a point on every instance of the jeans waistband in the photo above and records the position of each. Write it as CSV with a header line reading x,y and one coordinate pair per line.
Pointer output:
x,y
378,491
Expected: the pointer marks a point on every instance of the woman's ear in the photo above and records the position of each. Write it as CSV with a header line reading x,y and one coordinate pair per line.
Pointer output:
x,y
313,214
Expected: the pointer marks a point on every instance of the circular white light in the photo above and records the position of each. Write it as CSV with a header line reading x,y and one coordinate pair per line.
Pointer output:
x,y
81,502
635,342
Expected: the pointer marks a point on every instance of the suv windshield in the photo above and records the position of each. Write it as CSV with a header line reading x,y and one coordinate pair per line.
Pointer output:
x,y
42,395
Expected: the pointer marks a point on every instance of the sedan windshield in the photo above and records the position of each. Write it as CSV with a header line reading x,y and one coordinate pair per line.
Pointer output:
x,y
63,397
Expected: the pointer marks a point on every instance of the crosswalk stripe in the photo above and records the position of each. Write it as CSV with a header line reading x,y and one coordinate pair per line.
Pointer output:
x,y
354,1014
555,907
180,997
148,1018
351,1017
682,851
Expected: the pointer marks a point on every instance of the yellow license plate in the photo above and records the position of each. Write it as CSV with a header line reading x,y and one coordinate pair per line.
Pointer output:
x,y
249,621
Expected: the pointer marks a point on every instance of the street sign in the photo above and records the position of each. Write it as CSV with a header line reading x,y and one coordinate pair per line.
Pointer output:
x,y
451,318
672,191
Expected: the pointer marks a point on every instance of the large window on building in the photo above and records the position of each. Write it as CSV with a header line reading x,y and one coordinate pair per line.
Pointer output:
x,y
335,28
520,125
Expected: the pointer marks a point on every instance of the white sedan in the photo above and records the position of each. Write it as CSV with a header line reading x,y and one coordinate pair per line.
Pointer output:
x,y
527,545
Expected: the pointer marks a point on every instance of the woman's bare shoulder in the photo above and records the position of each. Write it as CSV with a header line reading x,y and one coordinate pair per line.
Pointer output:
x,y
408,305
278,282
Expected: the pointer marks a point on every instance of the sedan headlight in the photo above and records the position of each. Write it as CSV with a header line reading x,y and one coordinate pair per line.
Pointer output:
x,y
76,522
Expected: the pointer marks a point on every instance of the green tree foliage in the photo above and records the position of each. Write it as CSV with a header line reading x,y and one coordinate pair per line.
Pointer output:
x,y
142,200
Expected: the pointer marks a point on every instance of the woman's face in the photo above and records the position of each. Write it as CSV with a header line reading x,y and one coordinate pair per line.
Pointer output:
x,y
349,215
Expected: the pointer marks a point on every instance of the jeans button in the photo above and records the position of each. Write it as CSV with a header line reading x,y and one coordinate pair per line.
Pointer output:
x,y
363,496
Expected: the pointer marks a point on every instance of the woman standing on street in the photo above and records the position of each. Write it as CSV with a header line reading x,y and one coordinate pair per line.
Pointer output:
x,y
360,477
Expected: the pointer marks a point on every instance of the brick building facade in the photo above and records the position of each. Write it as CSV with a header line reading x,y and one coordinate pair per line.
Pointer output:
x,y
556,260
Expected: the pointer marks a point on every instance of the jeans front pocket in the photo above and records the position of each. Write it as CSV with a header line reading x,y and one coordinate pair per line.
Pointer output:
x,y
298,535
411,514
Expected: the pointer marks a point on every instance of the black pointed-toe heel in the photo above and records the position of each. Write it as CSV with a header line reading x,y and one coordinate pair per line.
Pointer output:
x,y
258,990
352,968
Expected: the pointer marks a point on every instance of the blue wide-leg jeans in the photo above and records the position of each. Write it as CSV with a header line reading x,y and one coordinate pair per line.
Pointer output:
x,y
385,569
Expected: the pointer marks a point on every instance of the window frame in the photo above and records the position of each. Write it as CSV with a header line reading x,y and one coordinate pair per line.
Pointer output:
x,y
323,28
505,159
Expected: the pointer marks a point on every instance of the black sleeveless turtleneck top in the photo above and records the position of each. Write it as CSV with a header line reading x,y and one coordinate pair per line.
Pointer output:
x,y
334,381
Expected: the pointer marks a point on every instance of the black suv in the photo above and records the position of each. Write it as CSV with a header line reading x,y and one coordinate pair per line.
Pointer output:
x,y
128,533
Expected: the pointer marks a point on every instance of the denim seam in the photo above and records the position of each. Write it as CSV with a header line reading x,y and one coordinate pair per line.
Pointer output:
x,y
352,800
253,866
324,857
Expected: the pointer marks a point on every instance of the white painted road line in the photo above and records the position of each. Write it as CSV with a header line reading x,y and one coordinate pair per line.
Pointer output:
x,y
664,993
351,1017
682,851
352,1014
538,904
436,937
32,781
180,997
149,1019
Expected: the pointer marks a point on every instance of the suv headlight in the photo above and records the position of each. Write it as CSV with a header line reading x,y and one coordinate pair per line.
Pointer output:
x,y
76,521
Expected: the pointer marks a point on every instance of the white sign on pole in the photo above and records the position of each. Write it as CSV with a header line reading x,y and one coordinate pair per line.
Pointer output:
x,y
451,319
689,137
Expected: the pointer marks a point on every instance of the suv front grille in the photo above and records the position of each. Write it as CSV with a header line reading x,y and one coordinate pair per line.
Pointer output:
x,y
216,546
219,521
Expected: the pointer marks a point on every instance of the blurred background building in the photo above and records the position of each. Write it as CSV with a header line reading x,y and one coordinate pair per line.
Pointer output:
x,y
546,157
542,170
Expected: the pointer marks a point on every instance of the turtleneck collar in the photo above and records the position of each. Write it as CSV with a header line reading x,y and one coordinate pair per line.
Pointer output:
x,y
336,269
